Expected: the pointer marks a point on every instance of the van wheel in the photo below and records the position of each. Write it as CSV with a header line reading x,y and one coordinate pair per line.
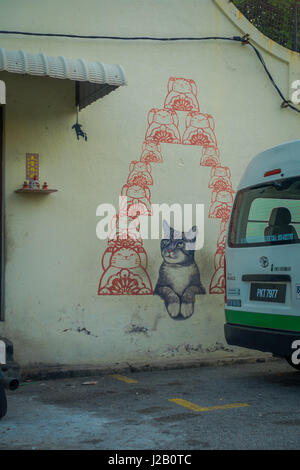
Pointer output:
x,y
3,402
289,360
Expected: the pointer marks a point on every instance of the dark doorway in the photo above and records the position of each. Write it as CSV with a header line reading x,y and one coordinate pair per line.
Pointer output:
x,y
1,218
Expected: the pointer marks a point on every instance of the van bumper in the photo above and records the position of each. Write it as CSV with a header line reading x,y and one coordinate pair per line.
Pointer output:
x,y
10,367
262,339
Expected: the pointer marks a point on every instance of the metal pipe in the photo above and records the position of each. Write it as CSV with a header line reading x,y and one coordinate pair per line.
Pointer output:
x,y
10,383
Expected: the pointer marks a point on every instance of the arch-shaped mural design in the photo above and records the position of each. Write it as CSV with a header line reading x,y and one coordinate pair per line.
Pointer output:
x,y
125,260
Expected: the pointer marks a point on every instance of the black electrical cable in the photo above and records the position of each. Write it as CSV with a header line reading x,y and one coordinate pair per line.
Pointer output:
x,y
285,103
122,38
243,40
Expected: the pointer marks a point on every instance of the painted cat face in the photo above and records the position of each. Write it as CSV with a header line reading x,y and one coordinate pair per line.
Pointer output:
x,y
200,120
182,85
176,246
125,258
136,192
163,117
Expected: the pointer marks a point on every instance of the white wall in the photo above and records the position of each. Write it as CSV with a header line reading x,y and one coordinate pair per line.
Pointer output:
x,y
52,253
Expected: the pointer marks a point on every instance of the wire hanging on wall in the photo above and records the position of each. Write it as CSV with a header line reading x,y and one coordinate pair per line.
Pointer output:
x,y
242,39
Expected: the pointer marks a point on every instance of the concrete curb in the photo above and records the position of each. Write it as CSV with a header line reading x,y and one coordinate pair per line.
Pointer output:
x,y
44,372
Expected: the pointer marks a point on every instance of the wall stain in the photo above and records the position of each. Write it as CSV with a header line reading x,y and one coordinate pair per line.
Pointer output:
x,y
191,348
81,330
134,328
156,319
76,321
218,347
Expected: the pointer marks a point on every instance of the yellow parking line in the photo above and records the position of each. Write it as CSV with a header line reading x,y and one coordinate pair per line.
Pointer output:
x,y
194,407
124,379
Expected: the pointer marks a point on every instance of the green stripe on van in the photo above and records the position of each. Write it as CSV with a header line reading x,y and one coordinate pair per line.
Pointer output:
x,y
263,320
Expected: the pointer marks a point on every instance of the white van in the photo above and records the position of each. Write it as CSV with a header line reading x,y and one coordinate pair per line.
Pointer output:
x,y
262,301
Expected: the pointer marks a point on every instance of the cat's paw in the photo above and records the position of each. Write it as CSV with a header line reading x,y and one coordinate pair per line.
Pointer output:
x,y
173,306
187,309
189,296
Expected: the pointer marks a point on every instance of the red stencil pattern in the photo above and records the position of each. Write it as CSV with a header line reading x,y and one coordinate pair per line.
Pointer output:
x,y
125,261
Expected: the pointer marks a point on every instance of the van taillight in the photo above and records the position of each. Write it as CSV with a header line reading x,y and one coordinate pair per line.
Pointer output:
x,y
272,172
225,284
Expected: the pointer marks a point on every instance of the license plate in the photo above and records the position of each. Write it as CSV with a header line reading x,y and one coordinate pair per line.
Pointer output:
x,y
268,292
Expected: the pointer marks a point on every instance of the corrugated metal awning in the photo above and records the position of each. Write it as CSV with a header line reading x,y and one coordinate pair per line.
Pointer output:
x,y
93,79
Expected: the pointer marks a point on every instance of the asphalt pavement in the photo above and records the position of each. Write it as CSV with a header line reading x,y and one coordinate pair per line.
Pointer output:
x,y
245,406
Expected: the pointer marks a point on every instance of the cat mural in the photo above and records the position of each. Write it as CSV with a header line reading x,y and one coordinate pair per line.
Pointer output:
x,y
125,265
179,278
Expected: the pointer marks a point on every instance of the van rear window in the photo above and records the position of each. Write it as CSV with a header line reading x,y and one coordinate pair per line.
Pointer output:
x,y
266,214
